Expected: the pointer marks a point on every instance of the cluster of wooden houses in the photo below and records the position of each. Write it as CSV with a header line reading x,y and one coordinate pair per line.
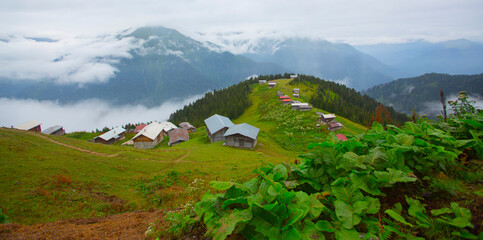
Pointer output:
x,y
220,128
324,119
329,120
34,126
148,136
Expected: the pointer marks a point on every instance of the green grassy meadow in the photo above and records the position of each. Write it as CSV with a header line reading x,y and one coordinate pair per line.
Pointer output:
x,y
43,181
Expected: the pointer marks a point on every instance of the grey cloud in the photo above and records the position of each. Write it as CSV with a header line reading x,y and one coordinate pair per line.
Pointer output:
x,y
70,60
86,115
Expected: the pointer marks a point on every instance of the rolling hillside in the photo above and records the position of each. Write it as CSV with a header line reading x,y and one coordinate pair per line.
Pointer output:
x,y
48,178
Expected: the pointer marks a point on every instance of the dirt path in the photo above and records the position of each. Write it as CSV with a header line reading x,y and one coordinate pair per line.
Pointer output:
x,y
76,148
131,225
182,157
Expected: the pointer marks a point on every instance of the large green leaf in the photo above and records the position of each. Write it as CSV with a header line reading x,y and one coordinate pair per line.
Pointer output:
x,y
392,176
325,226
240,200
221,185
396,216
347,234
350,161
405,139
346,214
346,191
310,232
228,223
373,205
377,158
364,181
280,172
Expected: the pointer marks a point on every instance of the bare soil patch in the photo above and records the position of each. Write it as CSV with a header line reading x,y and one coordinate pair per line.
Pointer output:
x,y
131,225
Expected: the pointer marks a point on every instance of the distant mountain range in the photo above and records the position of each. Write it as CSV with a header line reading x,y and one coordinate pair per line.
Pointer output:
x,y
423,93
336,62
416,58
171,65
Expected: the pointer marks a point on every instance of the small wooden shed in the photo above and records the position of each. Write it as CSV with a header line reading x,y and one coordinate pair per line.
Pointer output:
x,y
178,135
55,130
304,108
149,136
334,126
186,125
242,136
296,95
32,125
272,84
325,118
216,126
293,76
296,90
262,81
112,136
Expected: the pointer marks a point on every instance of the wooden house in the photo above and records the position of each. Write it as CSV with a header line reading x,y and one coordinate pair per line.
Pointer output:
x,y
216,126
32,125
286,101
149,136
178,135
296,105
139,127
334,126
304,108
325,118
55,130
272,84
296,95
112,136
296,90
262,81
293,76
283,97
242,136
186,125
167,126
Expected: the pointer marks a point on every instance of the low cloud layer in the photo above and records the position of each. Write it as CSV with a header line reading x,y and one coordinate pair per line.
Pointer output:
x,y
87,115
434,108
69,60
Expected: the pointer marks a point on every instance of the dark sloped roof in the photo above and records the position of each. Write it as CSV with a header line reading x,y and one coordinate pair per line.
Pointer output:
x,y
50,130
178,134
244,129
217,122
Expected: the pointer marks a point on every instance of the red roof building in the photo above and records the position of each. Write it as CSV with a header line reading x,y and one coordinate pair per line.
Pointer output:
x,y
139,127
341,137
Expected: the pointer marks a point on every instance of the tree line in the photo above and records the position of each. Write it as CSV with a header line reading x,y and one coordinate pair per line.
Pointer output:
x,y
230,102
347,102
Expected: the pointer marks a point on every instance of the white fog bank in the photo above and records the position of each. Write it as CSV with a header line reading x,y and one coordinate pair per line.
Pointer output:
x,y
86,115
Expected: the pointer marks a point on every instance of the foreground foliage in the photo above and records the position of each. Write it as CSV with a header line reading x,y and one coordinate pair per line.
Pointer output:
x,y
369,186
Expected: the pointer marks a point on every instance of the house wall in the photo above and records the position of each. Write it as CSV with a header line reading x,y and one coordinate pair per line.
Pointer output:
x,y
218,136
36,129
59,132
240,141
100,140
143,142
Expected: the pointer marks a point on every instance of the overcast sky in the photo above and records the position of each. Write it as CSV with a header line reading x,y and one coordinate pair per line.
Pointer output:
x,y
355,22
